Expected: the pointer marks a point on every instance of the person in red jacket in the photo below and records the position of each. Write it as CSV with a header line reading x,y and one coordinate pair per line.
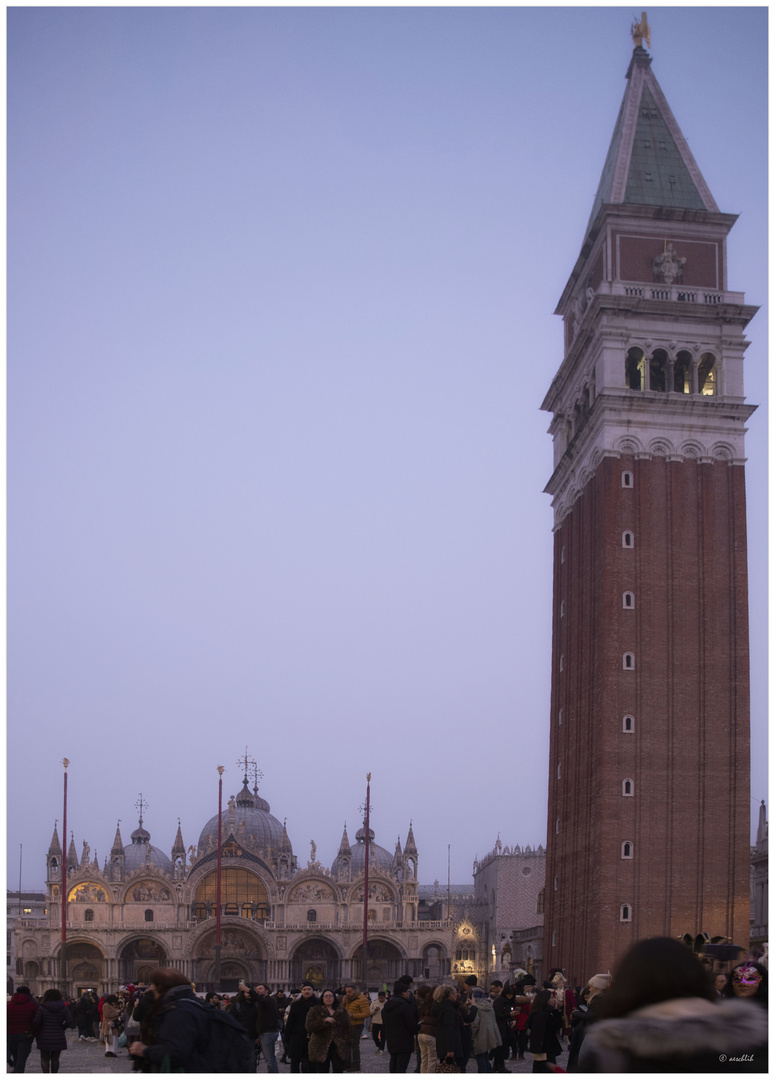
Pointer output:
x,y
21,1010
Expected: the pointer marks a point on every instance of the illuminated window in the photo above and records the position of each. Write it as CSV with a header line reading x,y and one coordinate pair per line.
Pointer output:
x,y
634,369
682,373
242,892
706,375
27,910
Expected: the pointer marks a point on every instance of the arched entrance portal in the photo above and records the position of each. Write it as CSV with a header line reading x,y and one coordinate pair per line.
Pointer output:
x,y
85,966
315,961
242,960
138,959
385,964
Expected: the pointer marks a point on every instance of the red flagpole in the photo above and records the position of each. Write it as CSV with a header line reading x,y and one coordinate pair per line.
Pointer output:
x,y
65,762
366,885
218,884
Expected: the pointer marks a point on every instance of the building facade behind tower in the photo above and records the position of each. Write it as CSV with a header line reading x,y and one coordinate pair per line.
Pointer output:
x,y
648,817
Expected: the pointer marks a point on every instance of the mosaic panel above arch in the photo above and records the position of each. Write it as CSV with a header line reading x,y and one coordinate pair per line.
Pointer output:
x,y
147,890
88,892
311,890
236,943
379,891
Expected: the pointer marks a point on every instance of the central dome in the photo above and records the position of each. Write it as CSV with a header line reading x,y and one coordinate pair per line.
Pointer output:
x,y
141,852
379,858
251,818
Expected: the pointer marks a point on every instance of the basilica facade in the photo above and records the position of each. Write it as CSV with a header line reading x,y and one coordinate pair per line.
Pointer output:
x,y
280,922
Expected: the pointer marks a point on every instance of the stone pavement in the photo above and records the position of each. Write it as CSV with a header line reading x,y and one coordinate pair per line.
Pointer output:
x,y
89,1058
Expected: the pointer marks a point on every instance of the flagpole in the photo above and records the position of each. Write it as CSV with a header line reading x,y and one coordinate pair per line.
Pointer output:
x,y
218,885
366,887
65,762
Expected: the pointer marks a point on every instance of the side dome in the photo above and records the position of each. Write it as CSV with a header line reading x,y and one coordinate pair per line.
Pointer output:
x,y
378,856
141,852
251,817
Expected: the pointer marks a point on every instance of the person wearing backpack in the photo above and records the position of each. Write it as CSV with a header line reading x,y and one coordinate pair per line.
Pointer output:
x,y
190,1036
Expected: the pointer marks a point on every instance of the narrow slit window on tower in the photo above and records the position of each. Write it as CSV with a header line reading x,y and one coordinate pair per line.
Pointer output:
x,y
562,555
562,608
628,540
628,724
627,479
628,661
562,663
628,600
557,826
556,884
627,849
625,913
559,772
628,788
554,938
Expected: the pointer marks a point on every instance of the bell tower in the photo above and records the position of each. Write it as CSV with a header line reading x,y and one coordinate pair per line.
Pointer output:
x,y
648,816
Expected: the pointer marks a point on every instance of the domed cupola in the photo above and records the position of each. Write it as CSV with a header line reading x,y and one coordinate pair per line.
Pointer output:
x,y
379,858
247,816
141,852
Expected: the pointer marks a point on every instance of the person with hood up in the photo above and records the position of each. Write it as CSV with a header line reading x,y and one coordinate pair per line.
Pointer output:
x,y
21,1011
661,1014
485,1031
48,1027
399,1020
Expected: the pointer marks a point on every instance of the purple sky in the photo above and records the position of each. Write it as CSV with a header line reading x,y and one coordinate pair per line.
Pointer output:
x,y
280,287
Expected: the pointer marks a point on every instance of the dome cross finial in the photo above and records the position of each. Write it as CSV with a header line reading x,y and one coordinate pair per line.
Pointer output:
x,y
141,805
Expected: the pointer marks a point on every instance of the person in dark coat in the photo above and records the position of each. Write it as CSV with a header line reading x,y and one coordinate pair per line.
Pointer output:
x,y
21,1012
176,1031
295,1037
585,1013
544,1023
662,1015
399,1022
48,1027
449,1026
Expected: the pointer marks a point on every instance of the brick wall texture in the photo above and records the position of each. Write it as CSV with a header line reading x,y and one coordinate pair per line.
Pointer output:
x,y
688,694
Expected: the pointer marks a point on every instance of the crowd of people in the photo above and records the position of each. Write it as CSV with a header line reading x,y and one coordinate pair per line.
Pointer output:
x,y
661,1011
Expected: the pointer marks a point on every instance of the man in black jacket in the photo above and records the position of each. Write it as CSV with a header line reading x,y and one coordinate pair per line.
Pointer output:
x,y
267,1025
399,1020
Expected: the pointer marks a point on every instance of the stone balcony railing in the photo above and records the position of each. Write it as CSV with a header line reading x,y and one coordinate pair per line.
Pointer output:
x,y
677,293
357,927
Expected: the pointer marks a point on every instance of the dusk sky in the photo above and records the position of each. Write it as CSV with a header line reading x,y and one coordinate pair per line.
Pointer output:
x,y
281,285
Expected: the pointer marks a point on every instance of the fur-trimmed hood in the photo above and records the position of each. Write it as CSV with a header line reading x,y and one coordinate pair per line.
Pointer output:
x,y
679,1029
